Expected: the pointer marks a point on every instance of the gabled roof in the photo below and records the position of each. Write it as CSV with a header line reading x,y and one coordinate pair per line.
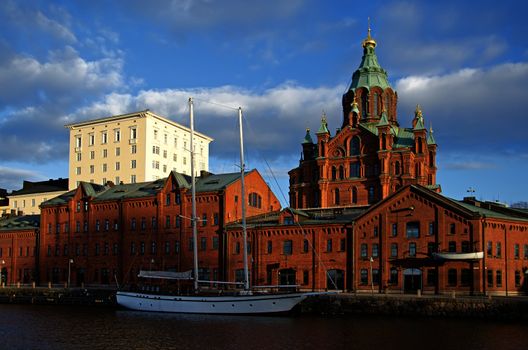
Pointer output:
x,y
20,223
98,193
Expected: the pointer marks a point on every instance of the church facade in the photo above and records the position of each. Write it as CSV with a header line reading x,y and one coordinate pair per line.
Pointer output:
x,y
371,155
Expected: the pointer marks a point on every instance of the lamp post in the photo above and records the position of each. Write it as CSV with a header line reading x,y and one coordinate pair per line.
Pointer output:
x,y
69,271
371,276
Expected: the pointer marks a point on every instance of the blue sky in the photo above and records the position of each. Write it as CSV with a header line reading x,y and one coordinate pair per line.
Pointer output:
x,y
284,62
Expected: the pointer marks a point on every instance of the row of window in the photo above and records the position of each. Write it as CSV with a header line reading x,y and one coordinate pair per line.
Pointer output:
x,y
22,251
431,277
412,229
104,137
498,250
135,248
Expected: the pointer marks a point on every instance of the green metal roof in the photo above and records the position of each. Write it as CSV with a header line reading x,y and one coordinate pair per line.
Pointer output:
x,y
20,223
323,129
430,138
383,120
369,73
307,137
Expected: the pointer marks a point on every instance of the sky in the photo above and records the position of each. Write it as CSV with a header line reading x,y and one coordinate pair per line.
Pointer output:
x,y
283,62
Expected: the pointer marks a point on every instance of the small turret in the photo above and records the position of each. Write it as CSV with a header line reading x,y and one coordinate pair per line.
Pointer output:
x,y
308,146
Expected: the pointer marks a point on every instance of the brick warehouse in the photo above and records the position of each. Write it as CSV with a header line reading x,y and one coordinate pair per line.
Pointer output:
x,y
366,216
109,233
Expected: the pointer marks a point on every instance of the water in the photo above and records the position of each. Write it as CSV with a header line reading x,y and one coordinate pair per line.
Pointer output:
x,y
63,327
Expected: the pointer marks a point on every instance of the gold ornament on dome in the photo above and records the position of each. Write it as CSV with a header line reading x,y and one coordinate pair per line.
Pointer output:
x,y
369,41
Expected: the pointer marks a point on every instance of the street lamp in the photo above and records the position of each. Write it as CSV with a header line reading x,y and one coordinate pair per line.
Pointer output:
x,y
2,276
69,271
371,276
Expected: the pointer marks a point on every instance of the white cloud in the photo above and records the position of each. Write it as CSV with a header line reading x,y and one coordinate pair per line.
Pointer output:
x,y
10,178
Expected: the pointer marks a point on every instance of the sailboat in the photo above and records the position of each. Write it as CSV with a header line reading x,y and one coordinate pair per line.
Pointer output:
x,y
243,302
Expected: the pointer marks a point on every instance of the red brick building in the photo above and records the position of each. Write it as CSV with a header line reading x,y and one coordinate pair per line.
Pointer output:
x,y
371,155
18,249
103,234
414,239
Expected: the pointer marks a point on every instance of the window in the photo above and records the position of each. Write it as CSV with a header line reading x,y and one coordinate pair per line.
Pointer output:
x,y
117,135
133,149
355,169
466,247
79,157
106,224
498,250
215,219
364,250
96,249
106,248
143,223
431,228
105,167
78,141
177,247
287,248
342,244
371,195
516,251
133,179
153,247
215,243
489,276
354,146
452,246
203,243
413,229
133,224
167,221
498,278
364,276
133,133
78,170
104,137
204,219
394,250
154,222
306,245
92,169
97,225
336,196
394,230
255,200
375,250
431,277
465,277
525,251
412,249
393,279
155,164
142,248
329,245
452,277
517,278
237,248
489,249
78,226
270,247
92,154
452,229
375,276
86,226
117,166
375,233
431,248
164,153
155,150
177,222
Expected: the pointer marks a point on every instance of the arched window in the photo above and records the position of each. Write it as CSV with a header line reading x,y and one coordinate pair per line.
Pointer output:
x,y
354,195
371,195
431,159
341,173
255,200
364,105
336,196
375,99
384,141
354,146
334,173
417,170
397,168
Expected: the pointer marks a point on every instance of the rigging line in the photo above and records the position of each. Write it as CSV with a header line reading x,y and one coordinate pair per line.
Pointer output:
x,y
254,136
215,103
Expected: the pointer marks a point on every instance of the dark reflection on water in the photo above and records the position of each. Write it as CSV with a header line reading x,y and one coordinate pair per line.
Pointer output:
x,y
61,327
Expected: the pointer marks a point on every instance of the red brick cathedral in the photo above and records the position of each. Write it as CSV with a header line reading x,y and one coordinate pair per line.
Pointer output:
x,y
370,156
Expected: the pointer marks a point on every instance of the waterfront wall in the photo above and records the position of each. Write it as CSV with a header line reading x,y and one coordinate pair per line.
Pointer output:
x,y
496,308
64,296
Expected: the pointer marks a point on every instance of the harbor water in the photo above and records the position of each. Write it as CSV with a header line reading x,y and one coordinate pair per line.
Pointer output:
x,y
84,327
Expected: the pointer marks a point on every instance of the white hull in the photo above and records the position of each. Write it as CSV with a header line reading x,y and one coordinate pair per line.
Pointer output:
x,y
240,304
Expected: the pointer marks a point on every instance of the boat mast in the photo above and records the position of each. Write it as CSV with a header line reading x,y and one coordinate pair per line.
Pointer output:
x,y
193,191
243,199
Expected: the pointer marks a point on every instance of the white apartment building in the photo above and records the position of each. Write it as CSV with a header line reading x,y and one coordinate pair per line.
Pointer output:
x,y
135,147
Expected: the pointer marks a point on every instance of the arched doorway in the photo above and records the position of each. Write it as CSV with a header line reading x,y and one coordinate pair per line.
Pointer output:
x,y
335,279
287,277
412,280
